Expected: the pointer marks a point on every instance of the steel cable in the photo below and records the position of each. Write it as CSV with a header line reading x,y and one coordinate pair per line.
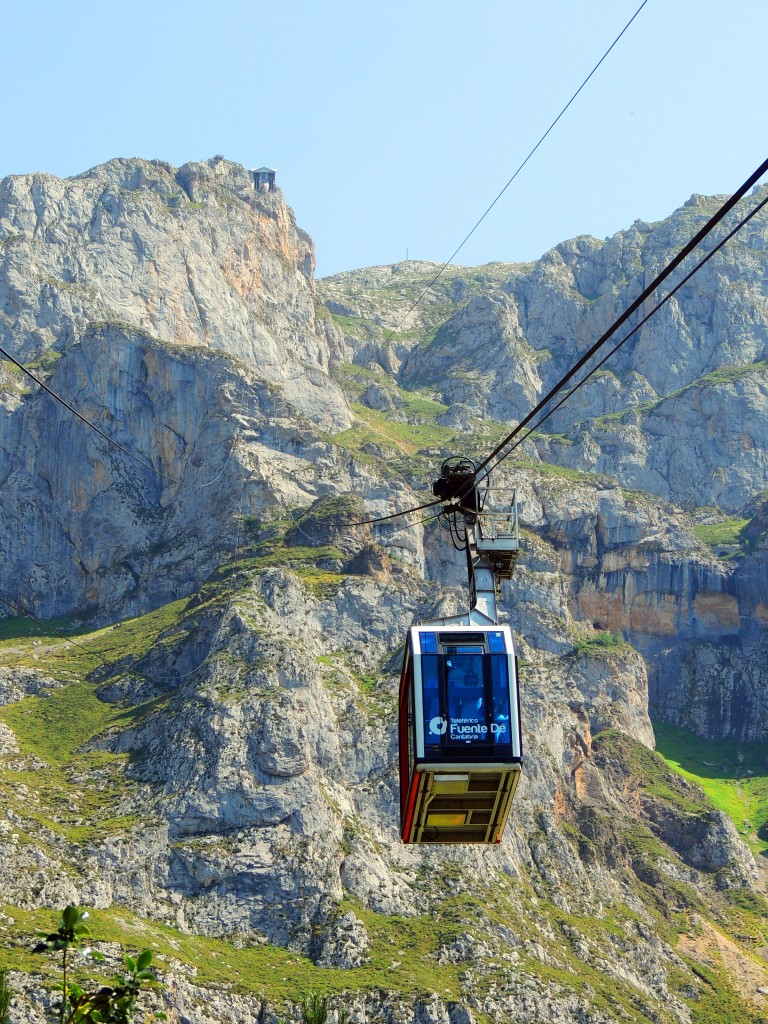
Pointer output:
x,y
675,262
635,329
477,224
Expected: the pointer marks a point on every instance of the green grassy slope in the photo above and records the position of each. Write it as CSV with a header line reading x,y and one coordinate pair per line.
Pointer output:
x,y
733,775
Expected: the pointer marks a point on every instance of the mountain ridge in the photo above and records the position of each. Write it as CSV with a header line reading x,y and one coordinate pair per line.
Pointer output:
x,y
214,765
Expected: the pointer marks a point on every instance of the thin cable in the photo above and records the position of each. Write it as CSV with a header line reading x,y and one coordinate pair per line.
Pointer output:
x,y
85,420
467,237
92,338
635,329
43,625
662,276
419,522
396,515
106,311
381,519
111,440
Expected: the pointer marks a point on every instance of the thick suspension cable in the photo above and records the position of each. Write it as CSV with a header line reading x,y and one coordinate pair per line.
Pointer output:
x,y
480,220
532,429
622,319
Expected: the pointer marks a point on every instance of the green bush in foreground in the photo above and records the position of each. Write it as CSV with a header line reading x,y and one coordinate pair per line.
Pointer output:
x,y
314,1010
107,1004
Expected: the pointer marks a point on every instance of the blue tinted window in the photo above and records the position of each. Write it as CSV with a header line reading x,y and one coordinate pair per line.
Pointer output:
x,y
496,643
428,643
501,727
467,713
434,723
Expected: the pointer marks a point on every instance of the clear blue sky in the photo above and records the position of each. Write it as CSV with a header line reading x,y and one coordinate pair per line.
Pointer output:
x,y
393,125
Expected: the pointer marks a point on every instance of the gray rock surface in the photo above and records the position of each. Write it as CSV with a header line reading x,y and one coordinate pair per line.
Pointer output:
x,y
174,309
680,410
238,778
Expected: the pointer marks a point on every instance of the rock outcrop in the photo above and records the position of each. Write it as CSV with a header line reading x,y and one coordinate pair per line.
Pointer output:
x,y
211,764
687,421
174,309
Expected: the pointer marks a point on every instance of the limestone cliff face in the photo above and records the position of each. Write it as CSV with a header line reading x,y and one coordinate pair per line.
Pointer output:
x,y
716,684
681,410
87,526
194,256
175,310
712,432
230,767
190,257
481,359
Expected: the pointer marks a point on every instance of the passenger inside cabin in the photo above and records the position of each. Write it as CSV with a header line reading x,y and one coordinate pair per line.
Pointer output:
x,y
472,694
465,691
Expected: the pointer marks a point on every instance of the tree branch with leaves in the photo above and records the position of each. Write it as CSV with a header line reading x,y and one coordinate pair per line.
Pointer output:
x,y
107,1004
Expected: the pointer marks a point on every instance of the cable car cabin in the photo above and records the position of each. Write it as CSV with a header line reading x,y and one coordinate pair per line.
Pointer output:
x,y
460,741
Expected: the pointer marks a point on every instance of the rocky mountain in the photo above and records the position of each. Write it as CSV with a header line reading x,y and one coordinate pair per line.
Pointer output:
x,y
202,748
685,421
178,307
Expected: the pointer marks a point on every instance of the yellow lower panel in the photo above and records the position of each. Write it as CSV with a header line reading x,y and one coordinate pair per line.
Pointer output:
x,y
446,820
466,807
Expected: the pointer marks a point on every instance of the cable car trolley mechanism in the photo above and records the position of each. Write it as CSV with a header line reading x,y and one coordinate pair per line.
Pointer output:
x,y
459,709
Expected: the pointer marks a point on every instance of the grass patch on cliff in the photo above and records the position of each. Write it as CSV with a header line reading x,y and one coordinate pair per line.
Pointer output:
x,y
717,1001
357,378
729,374
376,427
54,727
81,804
658,777
20,627
722,375
69,791
402,959
400,956
94,648
725,533
356,326
265,971
300,560
323,583
563,472
733,775
638,497
416,404
55,783
602,642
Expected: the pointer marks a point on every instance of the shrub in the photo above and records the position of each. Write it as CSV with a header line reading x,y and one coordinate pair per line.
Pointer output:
x,y
112,1003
